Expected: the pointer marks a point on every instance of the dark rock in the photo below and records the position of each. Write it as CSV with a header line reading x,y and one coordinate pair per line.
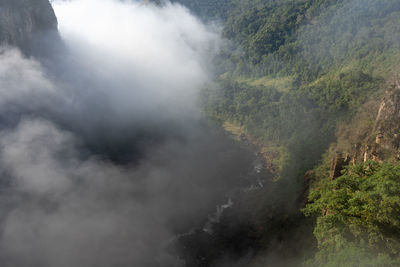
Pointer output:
x,y
27,24
339,162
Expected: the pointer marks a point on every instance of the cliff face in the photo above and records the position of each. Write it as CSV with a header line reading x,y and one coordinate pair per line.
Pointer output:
x,y
24,22
373,136
387,126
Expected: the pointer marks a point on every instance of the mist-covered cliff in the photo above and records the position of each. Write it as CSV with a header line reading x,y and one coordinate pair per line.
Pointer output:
x,y
24,22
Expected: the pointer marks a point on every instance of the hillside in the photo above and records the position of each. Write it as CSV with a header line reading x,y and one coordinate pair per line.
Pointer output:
x,y
313,84
26,24
208,9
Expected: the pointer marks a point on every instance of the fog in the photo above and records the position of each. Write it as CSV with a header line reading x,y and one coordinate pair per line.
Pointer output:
x,y
104,155
157,55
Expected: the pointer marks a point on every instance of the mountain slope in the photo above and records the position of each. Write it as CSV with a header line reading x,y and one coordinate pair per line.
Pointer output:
x,y
24,23
305,82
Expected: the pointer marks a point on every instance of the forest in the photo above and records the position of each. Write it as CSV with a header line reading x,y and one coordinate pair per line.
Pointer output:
x,y
304,79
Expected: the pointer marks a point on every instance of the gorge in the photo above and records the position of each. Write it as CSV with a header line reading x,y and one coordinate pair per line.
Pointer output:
x,y
212,133
104,156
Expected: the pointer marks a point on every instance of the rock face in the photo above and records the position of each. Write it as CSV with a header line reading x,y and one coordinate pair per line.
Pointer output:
x,y
387,125
381,141
384,141
339,162
23,23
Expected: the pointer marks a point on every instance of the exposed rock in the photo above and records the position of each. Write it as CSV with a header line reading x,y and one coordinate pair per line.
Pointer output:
x,y
379,137
339,162
378,142
25,23
387,124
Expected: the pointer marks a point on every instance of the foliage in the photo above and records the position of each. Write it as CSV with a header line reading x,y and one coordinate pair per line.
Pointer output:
x,y
325,50
359,210
297,70
309,37
206,9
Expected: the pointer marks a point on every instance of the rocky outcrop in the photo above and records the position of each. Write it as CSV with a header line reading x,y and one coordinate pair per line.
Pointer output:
x,y
379,142
387,125
339,162
25,23
384,141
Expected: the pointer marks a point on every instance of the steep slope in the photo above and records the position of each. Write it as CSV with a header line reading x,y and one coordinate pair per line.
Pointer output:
x,y
311,82
24,23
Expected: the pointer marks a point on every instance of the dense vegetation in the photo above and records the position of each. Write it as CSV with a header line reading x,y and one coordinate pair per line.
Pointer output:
x,y
207,9
358,216
299,70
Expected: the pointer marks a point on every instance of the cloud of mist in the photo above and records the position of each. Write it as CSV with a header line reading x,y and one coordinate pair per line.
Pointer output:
x,y
103,157
21,79
72,212
166,50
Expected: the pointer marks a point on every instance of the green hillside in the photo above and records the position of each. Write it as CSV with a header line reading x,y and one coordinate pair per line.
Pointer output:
x,y
206,9
303,80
